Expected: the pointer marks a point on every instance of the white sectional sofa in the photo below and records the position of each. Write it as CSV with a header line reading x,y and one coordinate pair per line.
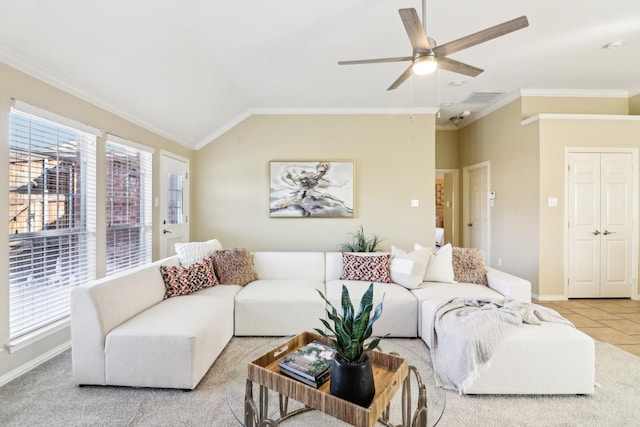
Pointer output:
x,y
125,333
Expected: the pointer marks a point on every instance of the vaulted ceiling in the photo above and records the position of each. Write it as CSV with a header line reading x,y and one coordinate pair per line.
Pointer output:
x,y
191,69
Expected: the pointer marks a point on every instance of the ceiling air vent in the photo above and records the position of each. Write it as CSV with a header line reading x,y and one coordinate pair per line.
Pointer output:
x,y
483,97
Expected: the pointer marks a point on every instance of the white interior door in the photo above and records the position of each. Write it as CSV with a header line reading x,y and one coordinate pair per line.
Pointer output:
x,y
477,208
174,202
617,224
600,224
584,225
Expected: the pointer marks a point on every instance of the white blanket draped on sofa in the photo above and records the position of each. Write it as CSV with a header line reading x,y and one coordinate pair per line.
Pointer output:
x,y
467,331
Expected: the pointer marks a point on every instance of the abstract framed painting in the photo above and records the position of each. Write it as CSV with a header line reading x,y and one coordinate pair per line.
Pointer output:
x,y
311,189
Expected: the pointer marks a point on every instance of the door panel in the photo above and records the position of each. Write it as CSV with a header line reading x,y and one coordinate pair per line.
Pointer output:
x,y
600,224
585,269
478,225
617,224
174,203
584,228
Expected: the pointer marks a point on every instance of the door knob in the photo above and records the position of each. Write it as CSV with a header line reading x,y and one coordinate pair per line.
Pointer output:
x,y
595,233
608,232
470,225
166,232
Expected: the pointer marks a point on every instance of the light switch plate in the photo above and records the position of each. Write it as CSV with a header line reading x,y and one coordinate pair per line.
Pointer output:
x,y
415,203
553,202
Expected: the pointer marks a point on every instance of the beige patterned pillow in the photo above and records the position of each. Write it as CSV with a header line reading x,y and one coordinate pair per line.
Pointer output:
x,y
468,266
234,266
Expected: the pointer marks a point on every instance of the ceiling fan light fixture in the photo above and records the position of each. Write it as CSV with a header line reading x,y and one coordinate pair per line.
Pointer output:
x,y
425,64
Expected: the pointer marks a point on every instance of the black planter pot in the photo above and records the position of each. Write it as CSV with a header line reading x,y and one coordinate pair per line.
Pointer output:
x,y
352,381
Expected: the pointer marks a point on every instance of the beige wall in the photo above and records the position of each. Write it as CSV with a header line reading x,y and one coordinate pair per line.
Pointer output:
x,y
15,84
447,149
532,105
634,104
447,157
394,163
513,154
527,167
556,135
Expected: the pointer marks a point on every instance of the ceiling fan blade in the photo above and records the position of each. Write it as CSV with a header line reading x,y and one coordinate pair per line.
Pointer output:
x,y
404,76
414,30
458,67
481,36
376,61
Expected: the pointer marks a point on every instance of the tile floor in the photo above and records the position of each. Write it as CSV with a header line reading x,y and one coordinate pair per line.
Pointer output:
x,y
616,321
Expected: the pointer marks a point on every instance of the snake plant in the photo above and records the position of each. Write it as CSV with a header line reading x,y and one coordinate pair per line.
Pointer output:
x,y
350,330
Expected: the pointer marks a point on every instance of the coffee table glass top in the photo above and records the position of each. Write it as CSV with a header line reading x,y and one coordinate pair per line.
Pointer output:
x,y
236,385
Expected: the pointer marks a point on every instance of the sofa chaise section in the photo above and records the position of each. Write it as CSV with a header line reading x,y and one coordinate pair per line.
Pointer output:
x,y
550,358
284,300
125,333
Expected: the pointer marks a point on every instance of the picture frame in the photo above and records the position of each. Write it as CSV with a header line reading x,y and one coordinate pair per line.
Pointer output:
x,y
311,189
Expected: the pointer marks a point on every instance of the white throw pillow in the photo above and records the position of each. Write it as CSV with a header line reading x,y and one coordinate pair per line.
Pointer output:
x,y
192,252
440,268
408,268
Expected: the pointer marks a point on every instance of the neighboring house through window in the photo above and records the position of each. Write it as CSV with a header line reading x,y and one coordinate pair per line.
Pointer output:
x,y
128,195
52,216
52,213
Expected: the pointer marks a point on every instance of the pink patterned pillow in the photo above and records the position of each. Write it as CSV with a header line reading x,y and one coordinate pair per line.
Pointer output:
x,y
185,280
370,268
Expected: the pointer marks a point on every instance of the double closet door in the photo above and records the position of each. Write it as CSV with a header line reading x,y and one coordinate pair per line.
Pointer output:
x,y
600,225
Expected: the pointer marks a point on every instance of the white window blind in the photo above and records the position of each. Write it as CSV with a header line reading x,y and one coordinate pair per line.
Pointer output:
x,y
52,217
128,196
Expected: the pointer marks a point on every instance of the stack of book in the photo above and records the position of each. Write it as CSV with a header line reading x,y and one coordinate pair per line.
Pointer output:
x,y
310,364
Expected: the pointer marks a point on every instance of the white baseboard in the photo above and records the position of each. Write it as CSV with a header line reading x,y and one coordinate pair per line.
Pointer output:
x,y
12,375
549,297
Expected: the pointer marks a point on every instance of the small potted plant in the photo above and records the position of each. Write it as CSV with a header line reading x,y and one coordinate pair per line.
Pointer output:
x,y
351,373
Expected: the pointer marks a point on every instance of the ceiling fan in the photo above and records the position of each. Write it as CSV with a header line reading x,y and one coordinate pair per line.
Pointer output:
x,y
427,56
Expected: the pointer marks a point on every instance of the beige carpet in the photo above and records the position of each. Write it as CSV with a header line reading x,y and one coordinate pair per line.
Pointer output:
x,y
46,396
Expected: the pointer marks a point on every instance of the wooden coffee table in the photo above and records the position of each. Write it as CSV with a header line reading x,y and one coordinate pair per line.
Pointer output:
x,y
391,372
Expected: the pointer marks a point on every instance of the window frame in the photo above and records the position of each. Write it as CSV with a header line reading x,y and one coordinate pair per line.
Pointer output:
x,y
36,139
115,263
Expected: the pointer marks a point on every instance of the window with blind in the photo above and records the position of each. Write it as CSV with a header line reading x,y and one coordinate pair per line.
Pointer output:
x,y
128,195
52,217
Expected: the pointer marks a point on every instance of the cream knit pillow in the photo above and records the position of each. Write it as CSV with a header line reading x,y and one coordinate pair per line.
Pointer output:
x,y
192,252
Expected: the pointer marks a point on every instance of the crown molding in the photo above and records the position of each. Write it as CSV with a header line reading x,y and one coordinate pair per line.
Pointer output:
x,y
308,111
634,92
223,129
548,116
574,93
557,93
34,69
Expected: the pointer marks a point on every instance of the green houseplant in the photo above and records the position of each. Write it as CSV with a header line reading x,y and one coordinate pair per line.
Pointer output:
x,y
352,374
361,243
